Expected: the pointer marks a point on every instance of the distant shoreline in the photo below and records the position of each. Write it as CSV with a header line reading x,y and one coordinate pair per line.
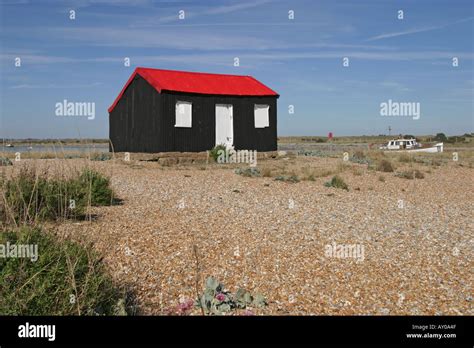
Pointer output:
x,y
286,138
78,144
57,142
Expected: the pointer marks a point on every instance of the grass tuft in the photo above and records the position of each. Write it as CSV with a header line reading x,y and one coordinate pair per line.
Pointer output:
x,y
410,174
214,152
337,182
29,197
65,279
385,166
405,158
5,161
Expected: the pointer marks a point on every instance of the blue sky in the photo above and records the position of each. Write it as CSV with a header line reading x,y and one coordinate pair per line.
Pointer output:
x,y
81,60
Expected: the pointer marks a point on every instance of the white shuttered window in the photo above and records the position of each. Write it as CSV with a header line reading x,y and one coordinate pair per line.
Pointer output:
x,y
261,116
183,114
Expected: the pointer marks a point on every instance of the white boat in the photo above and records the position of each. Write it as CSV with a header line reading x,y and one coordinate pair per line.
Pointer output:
x,y
9,145
410,145
433,149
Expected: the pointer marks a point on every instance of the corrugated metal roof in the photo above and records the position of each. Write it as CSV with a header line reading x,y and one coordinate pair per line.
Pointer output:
x,y
199,83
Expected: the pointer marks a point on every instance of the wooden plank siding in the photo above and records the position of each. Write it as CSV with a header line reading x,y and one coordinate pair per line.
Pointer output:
x,y
143,121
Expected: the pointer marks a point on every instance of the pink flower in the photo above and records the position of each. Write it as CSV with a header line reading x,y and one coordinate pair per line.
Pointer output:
x,y
186,305
248,312
220,297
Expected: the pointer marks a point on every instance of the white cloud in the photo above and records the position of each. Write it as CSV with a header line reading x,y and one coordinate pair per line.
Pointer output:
x,y
36,58
401,33
417,30
246,59
171,38
210,11
53,85
396,86
236,7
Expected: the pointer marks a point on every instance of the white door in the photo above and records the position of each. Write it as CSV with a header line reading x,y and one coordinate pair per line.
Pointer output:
x,y
224,125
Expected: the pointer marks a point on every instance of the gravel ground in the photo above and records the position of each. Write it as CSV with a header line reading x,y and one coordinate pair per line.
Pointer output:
x,y
414,237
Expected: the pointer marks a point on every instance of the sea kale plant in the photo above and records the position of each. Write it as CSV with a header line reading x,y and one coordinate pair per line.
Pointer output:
x,y
217,301
248,172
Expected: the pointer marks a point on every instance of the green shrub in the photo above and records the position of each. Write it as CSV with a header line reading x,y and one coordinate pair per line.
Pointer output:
x,y
418,174
440,137
288,178
360,157
5,161
29,197
313,153
248,172
97,186
65,279
101,156
337,182
214,152
384,166
410,174
216,301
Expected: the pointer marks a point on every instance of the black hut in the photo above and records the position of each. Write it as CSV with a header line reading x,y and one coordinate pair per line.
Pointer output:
x,y
166,110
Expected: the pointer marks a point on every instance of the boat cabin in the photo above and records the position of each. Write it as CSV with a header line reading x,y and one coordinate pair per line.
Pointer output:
x,y
400,144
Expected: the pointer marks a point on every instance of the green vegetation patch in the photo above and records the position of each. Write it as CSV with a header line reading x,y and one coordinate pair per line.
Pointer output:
x,y
216,300
216,151
65,279
248,172
5,161
29,197
337,182
410,174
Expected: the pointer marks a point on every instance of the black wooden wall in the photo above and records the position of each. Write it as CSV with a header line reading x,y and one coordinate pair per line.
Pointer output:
x,y
134,124
143,121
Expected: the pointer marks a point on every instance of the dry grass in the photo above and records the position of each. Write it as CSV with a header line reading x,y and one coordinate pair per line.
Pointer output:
x,y
306,171
410,174
405,158
385,166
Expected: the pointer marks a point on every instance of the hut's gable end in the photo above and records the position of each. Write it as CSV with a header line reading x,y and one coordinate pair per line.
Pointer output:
x,y
135,120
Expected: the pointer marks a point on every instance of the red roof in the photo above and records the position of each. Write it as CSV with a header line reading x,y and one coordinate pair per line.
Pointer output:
x,y
200,83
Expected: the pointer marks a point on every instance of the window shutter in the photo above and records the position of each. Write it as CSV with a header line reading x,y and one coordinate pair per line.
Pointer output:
x,y
183,114
261,116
